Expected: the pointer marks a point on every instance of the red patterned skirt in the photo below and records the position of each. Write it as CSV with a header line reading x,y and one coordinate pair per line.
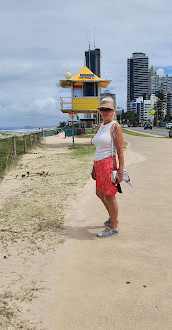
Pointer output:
x,y
103,168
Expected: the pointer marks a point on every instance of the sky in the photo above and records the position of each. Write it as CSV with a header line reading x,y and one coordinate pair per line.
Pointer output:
x,y
40,40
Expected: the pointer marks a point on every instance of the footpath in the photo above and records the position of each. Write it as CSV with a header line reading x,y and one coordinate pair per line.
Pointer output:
x,y
119,282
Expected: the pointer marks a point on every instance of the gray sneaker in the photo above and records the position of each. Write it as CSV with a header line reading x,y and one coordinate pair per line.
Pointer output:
x,y
107,222
107,232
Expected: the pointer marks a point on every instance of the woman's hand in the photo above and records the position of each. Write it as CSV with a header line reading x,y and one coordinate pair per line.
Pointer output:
x,y
93,173
119,176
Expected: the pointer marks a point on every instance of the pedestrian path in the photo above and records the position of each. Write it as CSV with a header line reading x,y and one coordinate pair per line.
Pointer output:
x,y
121,282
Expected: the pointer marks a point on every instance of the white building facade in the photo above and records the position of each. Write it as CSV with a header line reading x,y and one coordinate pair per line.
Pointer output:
x,y
148,106
143,107
163,83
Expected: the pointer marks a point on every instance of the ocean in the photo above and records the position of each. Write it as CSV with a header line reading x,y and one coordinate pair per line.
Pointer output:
x,y
22,130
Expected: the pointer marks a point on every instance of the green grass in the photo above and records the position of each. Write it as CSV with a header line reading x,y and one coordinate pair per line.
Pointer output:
x,y
89,135
137,134
82,150
6,153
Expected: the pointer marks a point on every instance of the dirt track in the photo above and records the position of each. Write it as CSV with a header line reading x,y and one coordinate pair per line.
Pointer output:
x,y
120,282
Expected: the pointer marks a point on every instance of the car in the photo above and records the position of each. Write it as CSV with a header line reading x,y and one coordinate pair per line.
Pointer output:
x,y
170,133
168,125
148,125
125,125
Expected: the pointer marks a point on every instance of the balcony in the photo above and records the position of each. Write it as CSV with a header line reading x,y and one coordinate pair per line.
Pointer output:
x,y
87,104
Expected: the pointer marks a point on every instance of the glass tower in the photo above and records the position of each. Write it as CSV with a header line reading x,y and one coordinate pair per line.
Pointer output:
x,y
137,78
92,59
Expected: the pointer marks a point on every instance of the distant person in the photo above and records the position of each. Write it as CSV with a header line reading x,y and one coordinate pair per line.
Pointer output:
x,y
105,189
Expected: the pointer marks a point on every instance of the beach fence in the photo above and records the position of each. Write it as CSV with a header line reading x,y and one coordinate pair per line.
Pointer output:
x,y
12,146
66,130
53,131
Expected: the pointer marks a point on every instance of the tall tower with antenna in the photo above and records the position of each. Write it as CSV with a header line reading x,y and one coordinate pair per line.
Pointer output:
x,y
92,58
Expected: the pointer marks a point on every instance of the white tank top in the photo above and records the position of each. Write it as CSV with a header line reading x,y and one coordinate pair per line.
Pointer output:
x,y
103,142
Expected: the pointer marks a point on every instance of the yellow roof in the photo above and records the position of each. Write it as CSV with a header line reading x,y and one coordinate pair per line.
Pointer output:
x,y
85,71
84,75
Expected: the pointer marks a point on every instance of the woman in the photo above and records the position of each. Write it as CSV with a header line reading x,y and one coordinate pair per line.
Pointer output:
x,y
105,189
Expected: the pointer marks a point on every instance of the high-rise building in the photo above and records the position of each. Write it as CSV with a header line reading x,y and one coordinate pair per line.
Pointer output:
x,y
169,104
92,59
137,78
152,73
164,84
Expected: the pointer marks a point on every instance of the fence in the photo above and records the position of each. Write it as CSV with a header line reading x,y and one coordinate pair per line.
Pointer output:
x,y
16,145
53,131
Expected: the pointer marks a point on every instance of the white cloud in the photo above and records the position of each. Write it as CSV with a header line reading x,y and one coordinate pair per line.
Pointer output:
x,y
160,72
41,39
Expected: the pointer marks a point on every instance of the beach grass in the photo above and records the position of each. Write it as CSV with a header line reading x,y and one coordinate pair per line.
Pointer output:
x,y
6,153
38,209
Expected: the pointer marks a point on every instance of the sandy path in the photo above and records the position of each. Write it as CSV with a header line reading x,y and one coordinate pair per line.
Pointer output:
x,y
90,274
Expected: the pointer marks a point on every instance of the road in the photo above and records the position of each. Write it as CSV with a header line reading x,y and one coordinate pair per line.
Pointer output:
x,y
155,131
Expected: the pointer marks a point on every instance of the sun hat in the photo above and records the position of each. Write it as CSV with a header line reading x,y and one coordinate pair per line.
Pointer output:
x,y
106,103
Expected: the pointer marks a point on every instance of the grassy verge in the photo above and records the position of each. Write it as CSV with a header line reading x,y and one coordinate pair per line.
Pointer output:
x,y
37,211
137,133
90,135
6,153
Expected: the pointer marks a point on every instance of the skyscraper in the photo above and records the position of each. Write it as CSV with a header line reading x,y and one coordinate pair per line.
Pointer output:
x,y
163,84
137,78
92,61
92,58
152,73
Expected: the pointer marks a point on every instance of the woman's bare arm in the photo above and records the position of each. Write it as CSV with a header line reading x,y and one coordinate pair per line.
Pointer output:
x,y
118,141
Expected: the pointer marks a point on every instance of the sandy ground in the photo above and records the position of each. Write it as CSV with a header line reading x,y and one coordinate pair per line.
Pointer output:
x,y
31,227
120,282
81,284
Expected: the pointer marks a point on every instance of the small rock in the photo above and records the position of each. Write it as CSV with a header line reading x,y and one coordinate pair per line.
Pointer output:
x,y
128,282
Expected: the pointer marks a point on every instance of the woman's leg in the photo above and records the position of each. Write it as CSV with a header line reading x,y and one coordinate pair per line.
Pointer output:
x,y
102,196
113,210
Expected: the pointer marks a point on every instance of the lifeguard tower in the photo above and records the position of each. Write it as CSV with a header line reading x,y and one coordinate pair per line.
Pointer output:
x,y
85,92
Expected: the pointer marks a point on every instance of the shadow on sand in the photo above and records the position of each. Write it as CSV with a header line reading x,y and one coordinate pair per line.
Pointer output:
x,y
82,233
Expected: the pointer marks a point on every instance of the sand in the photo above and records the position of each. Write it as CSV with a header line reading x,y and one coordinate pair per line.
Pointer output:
x,y
120,282
32,212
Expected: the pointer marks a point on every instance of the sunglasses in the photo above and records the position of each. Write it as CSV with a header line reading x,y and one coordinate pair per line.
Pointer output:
x,y
104,109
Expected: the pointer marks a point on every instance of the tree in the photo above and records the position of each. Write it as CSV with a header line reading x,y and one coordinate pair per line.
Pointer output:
x,y
62,124
160,105
131,116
